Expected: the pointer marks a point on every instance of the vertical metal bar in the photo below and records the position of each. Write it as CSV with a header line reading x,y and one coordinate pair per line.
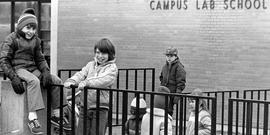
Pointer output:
x,y
124,116
59,73
266,118
135,79
185,114
110,112
214,114
181,116
69,73
137,114
249,118
258,113
12,15
151,113
49,111
85,92
237,113
127,78
39,19
166,115
61,108
222,113
265,94
117,98
197,116
73,110
153,79
230,116
244,115
97,110
177,118
144,80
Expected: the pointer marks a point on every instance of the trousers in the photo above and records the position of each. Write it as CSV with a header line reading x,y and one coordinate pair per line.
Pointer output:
x,y
33,88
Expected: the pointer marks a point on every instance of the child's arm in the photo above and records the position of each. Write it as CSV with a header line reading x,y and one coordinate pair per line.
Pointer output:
x,y
104,79
180,79
206,125
6,54
81,75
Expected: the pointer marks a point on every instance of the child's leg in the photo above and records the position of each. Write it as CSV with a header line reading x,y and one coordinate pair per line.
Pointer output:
x,y
35,100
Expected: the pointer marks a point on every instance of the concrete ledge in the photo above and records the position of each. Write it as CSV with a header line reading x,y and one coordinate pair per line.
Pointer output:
x,y
14,111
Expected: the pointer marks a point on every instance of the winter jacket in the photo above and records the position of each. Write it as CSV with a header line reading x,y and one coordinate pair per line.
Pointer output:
x,y
204,123
173,76
17,52
94,75
158,123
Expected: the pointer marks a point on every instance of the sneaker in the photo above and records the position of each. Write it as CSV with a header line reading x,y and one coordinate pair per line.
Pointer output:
x,y
35,127
56,122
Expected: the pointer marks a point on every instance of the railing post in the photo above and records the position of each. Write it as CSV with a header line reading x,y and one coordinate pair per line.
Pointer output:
x,y
230,117
73,110
214,114
266,119
85,92
249,118
125,108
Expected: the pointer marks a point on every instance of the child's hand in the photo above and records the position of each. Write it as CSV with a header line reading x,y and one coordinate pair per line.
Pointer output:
x,y
68,83
17,85
82,85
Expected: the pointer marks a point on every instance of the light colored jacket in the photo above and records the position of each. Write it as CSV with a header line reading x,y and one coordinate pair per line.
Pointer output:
x,y
158,123
94,75
204,123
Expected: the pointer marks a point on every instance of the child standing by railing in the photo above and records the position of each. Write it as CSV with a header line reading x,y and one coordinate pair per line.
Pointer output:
x,y
204,116
101,73
159,116
131,122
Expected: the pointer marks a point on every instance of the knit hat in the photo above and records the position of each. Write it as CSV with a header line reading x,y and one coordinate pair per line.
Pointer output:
x,y
142,106
171,51
159,101
27,17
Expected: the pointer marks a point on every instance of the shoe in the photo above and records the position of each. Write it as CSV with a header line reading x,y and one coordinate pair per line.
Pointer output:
x,y
56,122
35,127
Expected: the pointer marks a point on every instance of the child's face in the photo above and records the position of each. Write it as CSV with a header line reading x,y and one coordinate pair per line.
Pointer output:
x,y
192,104
101,57
29,31
170,58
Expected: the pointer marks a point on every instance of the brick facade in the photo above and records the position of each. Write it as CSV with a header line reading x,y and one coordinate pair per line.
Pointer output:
x,y
220,48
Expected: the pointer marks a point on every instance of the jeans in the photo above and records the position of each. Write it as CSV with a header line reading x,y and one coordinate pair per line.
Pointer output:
x,y
91,122
34,95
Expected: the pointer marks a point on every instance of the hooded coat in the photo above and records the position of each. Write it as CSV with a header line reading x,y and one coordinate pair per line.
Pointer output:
x,y
158,123
173,76
95,75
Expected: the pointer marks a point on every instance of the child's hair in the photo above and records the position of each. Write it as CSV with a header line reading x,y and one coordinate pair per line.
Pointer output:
x,y
202,103
105,46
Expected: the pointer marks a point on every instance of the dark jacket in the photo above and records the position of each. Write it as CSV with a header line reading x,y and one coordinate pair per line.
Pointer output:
x,y
130,128
17,52
173,76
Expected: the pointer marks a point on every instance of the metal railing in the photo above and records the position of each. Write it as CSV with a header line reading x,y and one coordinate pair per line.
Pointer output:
x,y
126,94
127,78
248,127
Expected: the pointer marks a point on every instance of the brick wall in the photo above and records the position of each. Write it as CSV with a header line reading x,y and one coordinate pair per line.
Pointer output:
x,y
220,48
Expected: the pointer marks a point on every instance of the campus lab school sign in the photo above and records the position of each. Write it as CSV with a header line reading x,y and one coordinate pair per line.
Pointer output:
x,y
208,4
